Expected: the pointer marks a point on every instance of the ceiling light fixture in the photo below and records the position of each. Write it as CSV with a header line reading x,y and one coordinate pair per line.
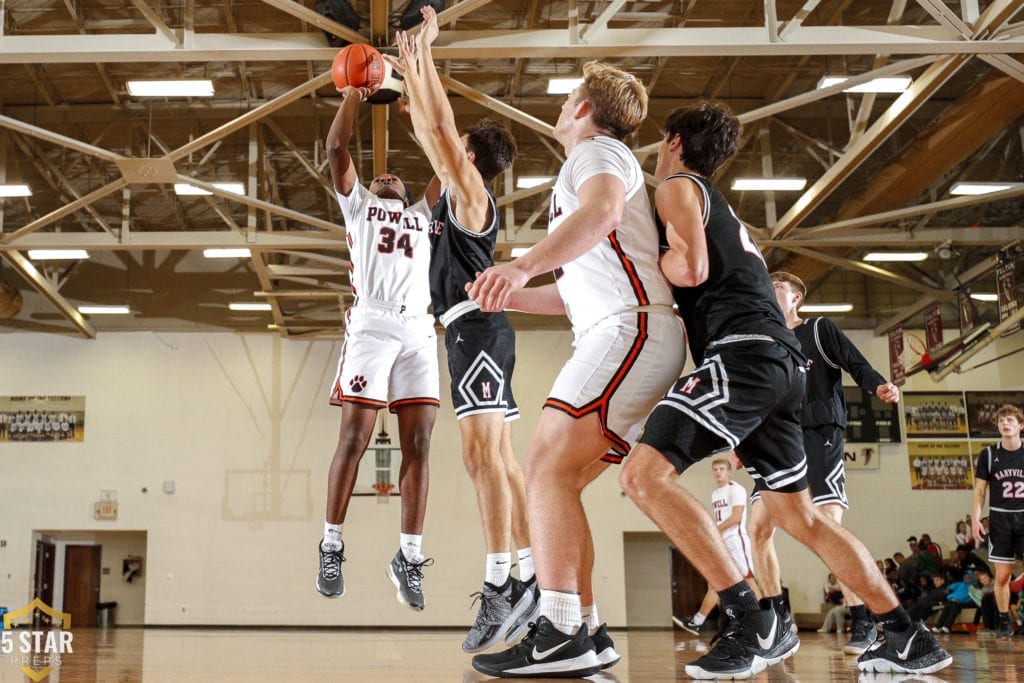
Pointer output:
x,y
563,86
15,191
981,188
981,296
180,88
249,306
525,182
769,184
895,256
826,308
889,84
186,190
103,310
57,254
227,252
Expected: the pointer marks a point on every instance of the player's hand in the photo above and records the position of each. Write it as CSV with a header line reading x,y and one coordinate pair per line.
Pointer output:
x,y
405,64
977,531
734,460
430,30
350,91
492,288
888,392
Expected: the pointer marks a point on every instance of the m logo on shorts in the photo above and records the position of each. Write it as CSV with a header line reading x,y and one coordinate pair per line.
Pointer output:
x,y
485,389
690,385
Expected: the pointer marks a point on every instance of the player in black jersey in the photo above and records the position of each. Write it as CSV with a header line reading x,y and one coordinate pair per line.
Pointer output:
x,y
823,419
480,346
1000,470
745,394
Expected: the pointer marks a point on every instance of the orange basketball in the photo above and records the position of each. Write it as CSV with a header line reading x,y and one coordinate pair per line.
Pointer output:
x,y
359,65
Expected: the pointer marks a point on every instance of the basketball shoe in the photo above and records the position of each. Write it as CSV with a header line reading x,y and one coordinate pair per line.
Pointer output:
x,y
522,624
687,625
749,643
605,648
862,635
329,581
914,651
499,609
408,579
545,652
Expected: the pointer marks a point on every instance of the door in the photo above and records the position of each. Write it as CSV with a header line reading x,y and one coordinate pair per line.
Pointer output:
x,y
688,586
42,581
82,583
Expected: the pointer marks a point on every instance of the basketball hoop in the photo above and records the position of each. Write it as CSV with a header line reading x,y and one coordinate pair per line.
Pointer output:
x,y
383,489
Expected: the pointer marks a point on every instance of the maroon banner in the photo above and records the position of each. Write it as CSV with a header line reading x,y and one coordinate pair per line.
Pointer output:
x,y
933,327
966,307
897,371
1006,290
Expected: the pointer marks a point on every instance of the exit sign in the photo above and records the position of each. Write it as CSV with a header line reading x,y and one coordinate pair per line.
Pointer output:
x,y
105,509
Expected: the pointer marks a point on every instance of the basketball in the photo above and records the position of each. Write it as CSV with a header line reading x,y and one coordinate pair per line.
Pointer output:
x,y
358,65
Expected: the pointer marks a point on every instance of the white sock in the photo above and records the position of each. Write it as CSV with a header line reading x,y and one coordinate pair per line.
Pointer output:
x,y
562,609
499,568
590,618
412,547
698,619
526,571
332,536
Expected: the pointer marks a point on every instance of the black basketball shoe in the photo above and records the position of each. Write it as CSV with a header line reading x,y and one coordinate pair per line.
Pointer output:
x,y
914,651
545,652
862,635
745,648
604,646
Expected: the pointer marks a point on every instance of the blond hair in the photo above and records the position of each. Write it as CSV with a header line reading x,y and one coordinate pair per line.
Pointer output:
x,y
721,461
618,101
792,280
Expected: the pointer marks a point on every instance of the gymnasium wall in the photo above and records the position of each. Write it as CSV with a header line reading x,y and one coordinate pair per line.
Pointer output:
x,y
241,425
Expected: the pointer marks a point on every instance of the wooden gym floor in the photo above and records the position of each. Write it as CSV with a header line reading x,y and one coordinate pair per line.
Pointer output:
x,y
127,654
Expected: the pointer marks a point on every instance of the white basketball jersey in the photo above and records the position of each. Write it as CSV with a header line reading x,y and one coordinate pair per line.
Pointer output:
x,y
389,249
621,272
723,499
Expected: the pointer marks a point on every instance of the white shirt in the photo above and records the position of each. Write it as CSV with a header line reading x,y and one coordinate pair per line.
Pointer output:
x,y
621,271
389,249
723,500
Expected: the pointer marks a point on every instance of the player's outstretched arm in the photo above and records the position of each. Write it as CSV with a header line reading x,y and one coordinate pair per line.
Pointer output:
x,y
343,172
408,64
472,205
685,264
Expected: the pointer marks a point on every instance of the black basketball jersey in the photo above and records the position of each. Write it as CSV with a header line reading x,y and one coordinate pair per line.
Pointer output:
x,y
1004,472
457,254
738,297
828,353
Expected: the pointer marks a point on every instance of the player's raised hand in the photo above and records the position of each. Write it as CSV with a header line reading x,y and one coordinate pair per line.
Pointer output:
x,y
430,29
492,288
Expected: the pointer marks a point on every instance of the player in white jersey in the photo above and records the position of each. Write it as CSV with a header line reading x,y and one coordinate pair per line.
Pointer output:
x,y
603,248
729,510
388,359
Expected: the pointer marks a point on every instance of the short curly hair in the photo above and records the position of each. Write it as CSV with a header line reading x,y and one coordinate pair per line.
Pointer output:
x,y
1011,410
710,134
493,147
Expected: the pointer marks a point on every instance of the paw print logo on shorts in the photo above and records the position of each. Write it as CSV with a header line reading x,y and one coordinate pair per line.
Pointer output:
x,y
358,383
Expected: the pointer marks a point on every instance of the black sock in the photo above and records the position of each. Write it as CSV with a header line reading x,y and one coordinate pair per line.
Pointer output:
x,y
774,602
737,599
859,613
1004,617
894,620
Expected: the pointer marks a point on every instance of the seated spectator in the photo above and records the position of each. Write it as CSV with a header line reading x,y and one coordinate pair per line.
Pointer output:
x,y
831,591
959,596
963,535
903,593
966,560
836,617
931,597
906,569
926,543
889,564
983,595
927,560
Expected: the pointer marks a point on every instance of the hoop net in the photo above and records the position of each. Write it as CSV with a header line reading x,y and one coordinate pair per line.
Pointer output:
x,y
383,490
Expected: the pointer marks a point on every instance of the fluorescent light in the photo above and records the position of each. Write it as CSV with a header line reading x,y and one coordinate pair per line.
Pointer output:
x,y
185,190
57,254
239,252
984,297
15,191
981,188
563,86
891,84
524,182
769,184
826,308
520,251
103,310
249,306
895,256
179,88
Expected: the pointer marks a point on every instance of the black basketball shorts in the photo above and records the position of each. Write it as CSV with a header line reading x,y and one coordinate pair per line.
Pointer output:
x,y
1005,536
745,396
481,357
826,469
